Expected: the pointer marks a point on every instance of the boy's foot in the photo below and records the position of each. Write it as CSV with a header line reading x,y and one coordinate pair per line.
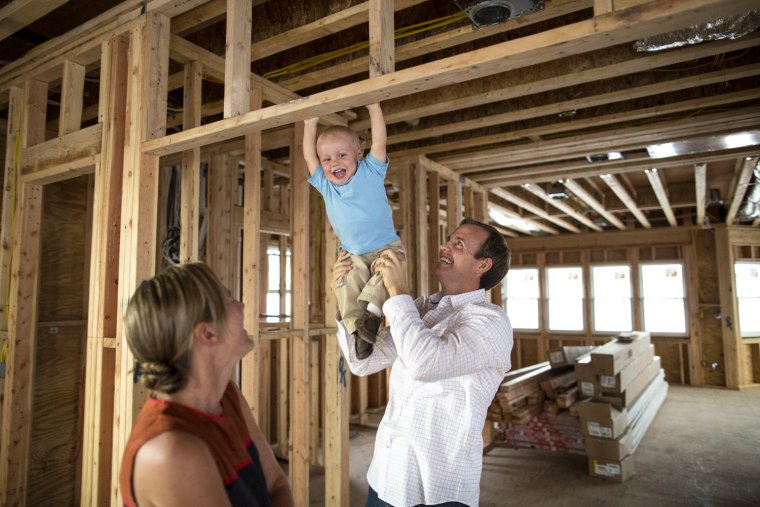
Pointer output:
x,y
368,325
363,349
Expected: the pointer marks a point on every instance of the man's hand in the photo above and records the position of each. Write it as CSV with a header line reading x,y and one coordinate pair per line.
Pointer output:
x,y
392,266
342,266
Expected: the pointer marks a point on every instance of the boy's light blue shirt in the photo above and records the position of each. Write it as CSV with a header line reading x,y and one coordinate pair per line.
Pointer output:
x,y
359,210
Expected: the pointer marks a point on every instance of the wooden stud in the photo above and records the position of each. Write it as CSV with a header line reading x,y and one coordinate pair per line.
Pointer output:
x,y
22,337
336,395
145,119
191,167
72,90
453,205
299,375
103,295
252,273
237,62
422,260
734,367
433,226
222,188
283,366
381,41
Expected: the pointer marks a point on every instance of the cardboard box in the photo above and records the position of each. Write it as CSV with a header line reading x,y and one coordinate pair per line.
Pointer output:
x,y
634,389
607,448
585,377
566,356
613,356
618,383
613,470
602,419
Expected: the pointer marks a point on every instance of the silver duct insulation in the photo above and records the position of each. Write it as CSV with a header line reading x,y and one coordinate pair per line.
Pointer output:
x,y
724,28
750,208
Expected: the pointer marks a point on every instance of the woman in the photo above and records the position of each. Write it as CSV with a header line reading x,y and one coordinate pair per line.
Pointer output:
x,y
195,441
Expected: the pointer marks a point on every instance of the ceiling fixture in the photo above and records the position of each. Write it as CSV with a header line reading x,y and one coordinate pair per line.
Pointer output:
x,y
557,191
705,144
604,157
493,12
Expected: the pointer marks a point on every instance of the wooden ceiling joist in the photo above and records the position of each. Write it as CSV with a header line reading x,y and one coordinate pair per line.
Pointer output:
x,y
649,19
561,205
582,194
655,179
625,197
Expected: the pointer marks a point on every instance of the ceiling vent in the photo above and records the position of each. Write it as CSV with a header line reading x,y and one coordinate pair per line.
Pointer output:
x,y
493,12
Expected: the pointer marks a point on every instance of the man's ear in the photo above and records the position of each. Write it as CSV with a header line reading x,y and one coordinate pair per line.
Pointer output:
x,y
484,265
205,333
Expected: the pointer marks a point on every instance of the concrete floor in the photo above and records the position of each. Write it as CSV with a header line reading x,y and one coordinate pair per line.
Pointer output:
x,y
702,449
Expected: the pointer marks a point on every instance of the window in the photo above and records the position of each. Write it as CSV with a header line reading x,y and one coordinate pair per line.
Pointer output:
x,y
273,312
564,293
611,287
521,293
748,297
664,304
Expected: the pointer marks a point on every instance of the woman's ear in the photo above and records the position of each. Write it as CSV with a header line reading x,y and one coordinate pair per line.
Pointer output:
x,y
205,333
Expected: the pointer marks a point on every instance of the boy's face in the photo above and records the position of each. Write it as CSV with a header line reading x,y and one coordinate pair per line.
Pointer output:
x,y
339,155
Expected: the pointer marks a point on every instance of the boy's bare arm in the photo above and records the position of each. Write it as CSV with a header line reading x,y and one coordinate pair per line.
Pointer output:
x,y
310,144
379,134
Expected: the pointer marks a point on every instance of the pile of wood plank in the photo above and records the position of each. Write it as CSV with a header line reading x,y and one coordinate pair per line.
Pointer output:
x,y
584,400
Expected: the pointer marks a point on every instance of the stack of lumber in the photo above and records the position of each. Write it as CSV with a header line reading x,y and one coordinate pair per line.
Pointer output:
x,y
520,397
627,388
560,433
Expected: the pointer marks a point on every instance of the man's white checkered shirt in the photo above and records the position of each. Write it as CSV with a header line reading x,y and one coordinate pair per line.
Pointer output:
x,y
449,355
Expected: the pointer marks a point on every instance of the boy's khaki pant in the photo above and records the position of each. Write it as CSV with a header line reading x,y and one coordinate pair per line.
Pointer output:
x,y
362,285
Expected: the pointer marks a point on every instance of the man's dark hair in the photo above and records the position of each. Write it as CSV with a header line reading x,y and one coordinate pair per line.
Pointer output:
x,y
495,248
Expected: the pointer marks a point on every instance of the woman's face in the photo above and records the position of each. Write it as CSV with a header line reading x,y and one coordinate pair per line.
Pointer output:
x,y
234,332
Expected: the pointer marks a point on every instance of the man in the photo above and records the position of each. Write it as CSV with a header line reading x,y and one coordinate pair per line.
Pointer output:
x,y
449,353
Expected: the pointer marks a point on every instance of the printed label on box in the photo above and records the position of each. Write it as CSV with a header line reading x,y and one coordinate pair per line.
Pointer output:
x,y
607,469
597,430
607,381
587,388
556,356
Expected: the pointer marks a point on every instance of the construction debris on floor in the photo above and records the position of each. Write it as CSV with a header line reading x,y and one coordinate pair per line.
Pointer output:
x,y
584,400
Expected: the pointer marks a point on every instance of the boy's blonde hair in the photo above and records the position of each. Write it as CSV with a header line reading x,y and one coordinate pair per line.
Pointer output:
x,y
338,130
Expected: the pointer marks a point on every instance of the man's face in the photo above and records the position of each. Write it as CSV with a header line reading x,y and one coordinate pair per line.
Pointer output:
x,y
339,155
458,270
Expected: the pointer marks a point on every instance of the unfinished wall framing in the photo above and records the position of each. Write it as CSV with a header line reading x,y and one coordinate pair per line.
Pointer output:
x,y
85,209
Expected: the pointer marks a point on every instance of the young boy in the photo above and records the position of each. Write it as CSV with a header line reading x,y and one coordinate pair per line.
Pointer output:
x,y
353,187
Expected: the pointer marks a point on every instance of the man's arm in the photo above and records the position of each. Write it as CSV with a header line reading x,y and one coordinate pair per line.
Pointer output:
x,y
478,337
379,134
310,144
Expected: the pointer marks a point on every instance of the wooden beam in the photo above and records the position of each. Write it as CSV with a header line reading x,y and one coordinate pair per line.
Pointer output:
x,y
700,190
437,42
586,197
733,363
171,8
423,260
625,198
652,18
72,90
539,226
434,223
337,401
381,42
516,86
22,338
237,65
560,205
191,167
104,275
744,174
299,375
18,14
12,143
253,275
220,235
653,175
67,149
508,196
145,119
